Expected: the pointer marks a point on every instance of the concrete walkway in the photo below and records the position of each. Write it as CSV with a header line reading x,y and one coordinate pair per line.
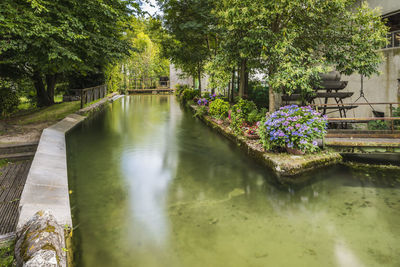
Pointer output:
x,y
46,186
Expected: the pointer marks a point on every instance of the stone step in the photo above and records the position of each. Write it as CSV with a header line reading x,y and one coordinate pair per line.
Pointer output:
x,y
18,156
18,148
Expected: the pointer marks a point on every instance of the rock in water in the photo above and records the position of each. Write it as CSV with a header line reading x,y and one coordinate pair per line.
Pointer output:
x,y
41,242
236,192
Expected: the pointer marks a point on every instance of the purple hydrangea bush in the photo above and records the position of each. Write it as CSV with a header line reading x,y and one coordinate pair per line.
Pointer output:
x,y
293,127
202,102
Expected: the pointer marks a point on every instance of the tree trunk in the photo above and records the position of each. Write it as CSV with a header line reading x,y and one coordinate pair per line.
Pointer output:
x,y
242,85
232,86
229,90
246,83
51,81
194,82
199,77
238,80
42,97
271,95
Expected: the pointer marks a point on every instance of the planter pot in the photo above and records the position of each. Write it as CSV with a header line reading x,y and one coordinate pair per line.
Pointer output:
x,y
294,151
251,136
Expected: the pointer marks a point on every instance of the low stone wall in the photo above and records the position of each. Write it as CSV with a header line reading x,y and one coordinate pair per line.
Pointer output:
x,y
46,187
282,164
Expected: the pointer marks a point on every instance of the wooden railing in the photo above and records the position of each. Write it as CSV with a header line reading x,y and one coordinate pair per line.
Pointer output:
x,y
90,94
148,84
390,119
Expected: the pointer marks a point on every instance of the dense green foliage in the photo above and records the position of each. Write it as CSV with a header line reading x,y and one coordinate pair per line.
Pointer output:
x,y
219,108
8,100
396,113
189,94
46,40
258,93
289,41
7,255
378,125
201,111
145,63
244,114
244,107
179,88
189,38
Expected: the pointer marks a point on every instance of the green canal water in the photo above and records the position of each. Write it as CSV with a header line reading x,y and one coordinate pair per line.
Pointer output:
x,y
152,186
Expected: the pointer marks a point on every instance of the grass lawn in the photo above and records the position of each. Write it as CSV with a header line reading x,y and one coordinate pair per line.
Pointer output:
x,y
48,114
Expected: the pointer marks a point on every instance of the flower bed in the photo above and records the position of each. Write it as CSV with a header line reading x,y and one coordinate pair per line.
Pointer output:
x,y
293,127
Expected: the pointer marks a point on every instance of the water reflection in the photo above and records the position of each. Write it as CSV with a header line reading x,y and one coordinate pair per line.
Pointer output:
x,y
149,169
152,186
345,257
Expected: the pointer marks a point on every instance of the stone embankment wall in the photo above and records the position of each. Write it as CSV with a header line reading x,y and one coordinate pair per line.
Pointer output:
x,y
45,210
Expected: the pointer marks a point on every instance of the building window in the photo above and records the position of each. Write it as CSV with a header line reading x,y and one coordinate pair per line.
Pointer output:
x,y
393,22
394,39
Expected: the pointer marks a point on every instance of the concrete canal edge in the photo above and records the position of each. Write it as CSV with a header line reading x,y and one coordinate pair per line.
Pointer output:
x,y
44,205
284,165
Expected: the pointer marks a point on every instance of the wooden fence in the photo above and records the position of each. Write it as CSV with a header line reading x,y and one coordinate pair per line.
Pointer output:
x,y
90,94
389,119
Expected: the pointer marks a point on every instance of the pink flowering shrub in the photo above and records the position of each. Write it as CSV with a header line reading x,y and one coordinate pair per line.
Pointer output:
x,y
294,127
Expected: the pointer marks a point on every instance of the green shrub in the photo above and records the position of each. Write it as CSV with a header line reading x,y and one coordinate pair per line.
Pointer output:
x,y
201,111
9,101
179,88
189,94
245,107
237,122
7,255
255,116
378,125
219,108
396,113
243,111
207,95
259,94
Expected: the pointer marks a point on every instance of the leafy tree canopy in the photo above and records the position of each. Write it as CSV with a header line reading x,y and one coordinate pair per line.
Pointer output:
x,y
45,39
190,37
290,41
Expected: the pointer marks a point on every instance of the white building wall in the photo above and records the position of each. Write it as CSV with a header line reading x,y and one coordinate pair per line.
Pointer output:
x,y
378,88
387,6
175,78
